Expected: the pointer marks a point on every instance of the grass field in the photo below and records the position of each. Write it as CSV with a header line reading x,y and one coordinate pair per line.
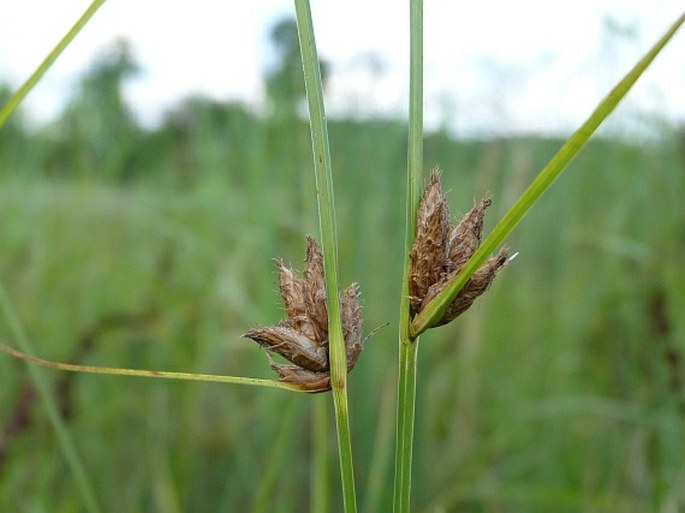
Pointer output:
x,y
561,390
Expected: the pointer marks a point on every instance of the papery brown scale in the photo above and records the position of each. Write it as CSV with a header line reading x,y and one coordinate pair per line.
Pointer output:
x,y
477,285
429,251
292,345
301,315
315,286
351,320
308,381
293,292
464,237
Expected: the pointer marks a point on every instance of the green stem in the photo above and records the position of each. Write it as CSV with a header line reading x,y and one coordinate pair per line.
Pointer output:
x,y
408,345
435,309
406,407
26,87
323,171
144,373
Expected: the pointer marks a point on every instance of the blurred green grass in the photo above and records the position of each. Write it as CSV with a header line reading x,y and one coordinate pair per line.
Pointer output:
x,y
560,390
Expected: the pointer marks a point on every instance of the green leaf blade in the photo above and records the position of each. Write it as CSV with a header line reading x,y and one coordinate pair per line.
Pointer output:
x,y
436,308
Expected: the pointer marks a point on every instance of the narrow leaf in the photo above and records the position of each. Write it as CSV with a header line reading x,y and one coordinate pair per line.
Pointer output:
x,y
436,308
26,87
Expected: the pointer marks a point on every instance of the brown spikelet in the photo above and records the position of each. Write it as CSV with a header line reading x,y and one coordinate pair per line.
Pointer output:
x,y
479,283
441,250
294,293
316,286
306,380
465,236
351,319
302,338
428,254
292,345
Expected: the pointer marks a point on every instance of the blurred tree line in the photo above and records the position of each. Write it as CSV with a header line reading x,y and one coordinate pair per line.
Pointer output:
x,y
200,140
98,137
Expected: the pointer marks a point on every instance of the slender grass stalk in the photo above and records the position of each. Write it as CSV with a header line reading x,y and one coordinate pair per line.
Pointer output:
x,y
72,458
408,345
26,87
435,309
144,373
323,171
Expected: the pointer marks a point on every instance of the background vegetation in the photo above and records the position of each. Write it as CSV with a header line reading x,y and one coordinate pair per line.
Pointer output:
x,y
562,390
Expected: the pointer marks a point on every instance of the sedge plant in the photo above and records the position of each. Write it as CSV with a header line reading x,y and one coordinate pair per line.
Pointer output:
x,y
446,267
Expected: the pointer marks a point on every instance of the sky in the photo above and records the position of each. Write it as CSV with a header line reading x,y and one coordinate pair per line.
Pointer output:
x,y
491,67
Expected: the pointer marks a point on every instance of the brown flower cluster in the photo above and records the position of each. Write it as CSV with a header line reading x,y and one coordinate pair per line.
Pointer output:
x,y
302,338
442,249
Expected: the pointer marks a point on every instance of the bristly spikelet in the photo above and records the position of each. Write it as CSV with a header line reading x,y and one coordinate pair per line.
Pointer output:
x,y
464,237
441,250
306,380
477,284
428,254
302,338
316,286
351,316
294,293
292,345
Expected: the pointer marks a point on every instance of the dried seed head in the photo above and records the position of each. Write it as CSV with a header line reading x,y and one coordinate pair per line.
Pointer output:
x,y
428,254
302,338
441,250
